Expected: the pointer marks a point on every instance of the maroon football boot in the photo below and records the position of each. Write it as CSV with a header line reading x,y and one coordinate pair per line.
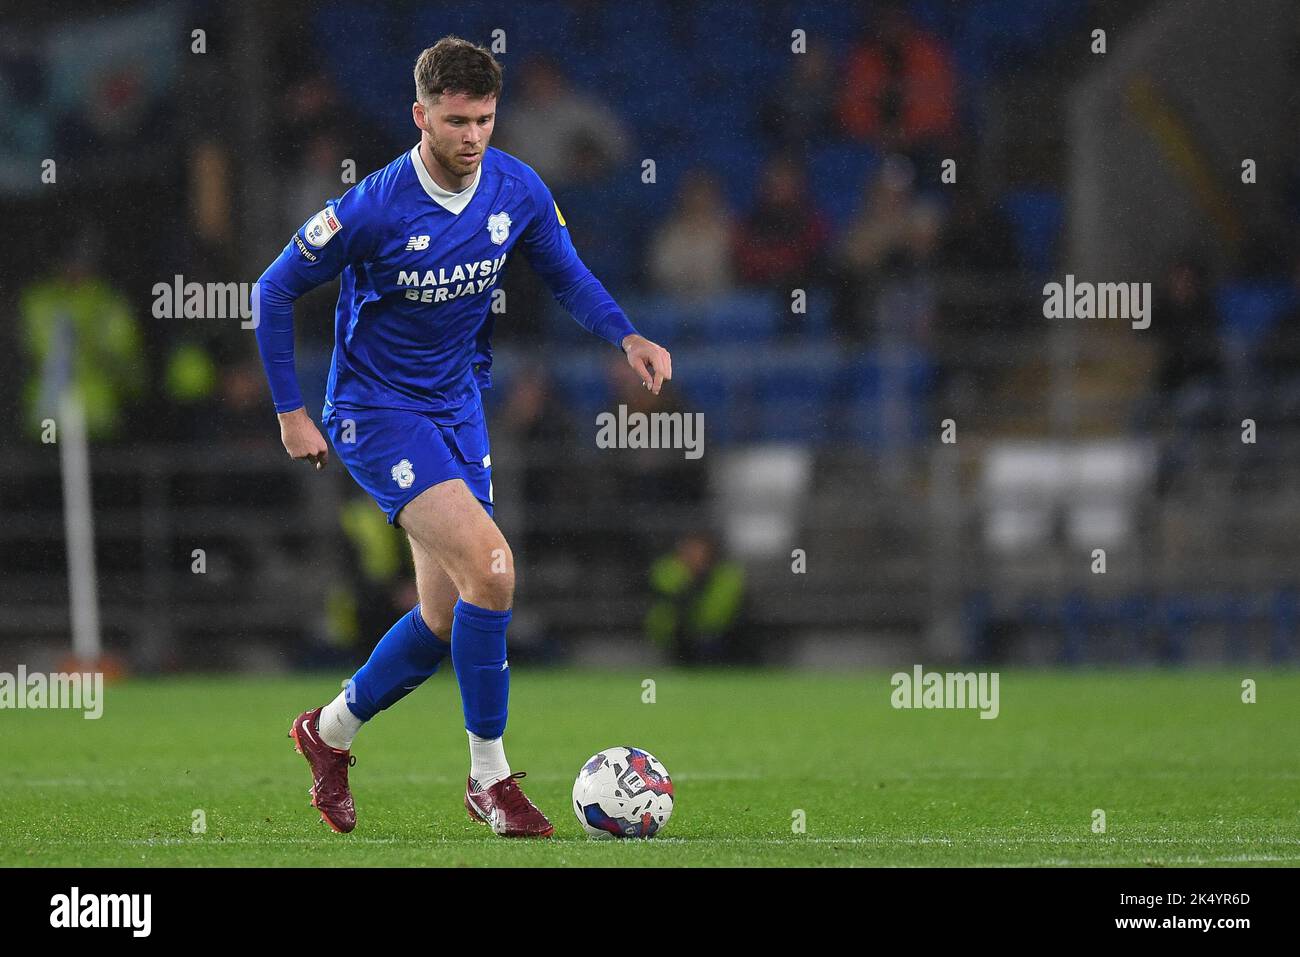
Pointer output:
x,y
505,809
329,773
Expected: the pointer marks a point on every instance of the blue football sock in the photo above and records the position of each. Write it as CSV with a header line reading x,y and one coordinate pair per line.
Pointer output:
x,y
404,658
478,653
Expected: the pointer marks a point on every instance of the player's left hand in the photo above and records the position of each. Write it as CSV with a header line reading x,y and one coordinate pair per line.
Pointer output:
x,y
651,361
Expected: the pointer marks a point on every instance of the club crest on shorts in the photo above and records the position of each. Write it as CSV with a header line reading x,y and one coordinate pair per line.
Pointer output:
x,y
499,227
404,474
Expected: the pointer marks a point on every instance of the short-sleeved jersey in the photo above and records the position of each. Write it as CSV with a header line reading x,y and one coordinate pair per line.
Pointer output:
x,y
418,267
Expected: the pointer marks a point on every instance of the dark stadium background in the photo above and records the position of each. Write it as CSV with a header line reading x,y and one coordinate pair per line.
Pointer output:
x,y
774,172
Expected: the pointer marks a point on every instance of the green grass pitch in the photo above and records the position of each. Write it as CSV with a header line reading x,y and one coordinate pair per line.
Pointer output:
x,y
1186,773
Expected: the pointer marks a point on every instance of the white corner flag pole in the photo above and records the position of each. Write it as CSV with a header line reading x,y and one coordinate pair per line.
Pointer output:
x,y
78,527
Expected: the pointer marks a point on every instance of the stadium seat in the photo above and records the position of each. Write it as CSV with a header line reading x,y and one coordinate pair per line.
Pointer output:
x,y
740,317
758,494
737,163
732,33
541,26
839,177
884,396
1178,615
660,318
1036,217
1286,623
1249,310
794,404
583,385
712,391
836,25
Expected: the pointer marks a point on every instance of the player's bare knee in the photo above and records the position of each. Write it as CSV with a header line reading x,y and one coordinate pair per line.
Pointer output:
x,y
496,590
492,583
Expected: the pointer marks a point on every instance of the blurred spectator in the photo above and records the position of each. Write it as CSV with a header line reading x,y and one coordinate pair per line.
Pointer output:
x,y
217,399
801,109
535,418
698,597
378,585
1192,380
80,334
896,230
188,397
308,104
211,201
1187,324
654,477
900,86
690,255
547,116
315,179
111,83
241,416
780,243
892,236
977,236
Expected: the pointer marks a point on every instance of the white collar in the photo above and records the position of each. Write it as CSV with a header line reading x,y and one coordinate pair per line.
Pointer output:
x,y
452,202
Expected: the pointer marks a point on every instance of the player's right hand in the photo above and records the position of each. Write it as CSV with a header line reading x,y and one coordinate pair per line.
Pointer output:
x,y
650,360
301,438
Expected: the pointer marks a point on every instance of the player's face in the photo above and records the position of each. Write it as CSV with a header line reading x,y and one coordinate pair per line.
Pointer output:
x,y
457,128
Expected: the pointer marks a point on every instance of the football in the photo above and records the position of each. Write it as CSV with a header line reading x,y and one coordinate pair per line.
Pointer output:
x,y
623,792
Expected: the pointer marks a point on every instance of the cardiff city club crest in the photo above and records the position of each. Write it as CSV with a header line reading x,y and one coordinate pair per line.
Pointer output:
x,y
404,474
499,227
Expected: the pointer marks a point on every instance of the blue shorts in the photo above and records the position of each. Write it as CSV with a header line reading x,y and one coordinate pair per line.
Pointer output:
x,y
395,455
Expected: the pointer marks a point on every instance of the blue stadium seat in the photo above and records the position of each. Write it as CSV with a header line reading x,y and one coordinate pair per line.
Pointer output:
x,y
1036,217
540,26
794,402
937,16
583,387
351,45
832,24
874,387
839,178
740,317
736,161
735,36
1077,618
1179,614
712,390
816,325
661,319
1285,615
1249,310
859,387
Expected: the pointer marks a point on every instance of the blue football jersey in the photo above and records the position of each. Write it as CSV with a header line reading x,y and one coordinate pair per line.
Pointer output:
x,y
417,267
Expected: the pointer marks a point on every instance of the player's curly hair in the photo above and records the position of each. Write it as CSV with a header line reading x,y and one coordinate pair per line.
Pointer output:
x,y
453,65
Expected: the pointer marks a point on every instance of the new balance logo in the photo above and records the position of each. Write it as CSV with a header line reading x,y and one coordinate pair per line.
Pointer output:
x,y
416,243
